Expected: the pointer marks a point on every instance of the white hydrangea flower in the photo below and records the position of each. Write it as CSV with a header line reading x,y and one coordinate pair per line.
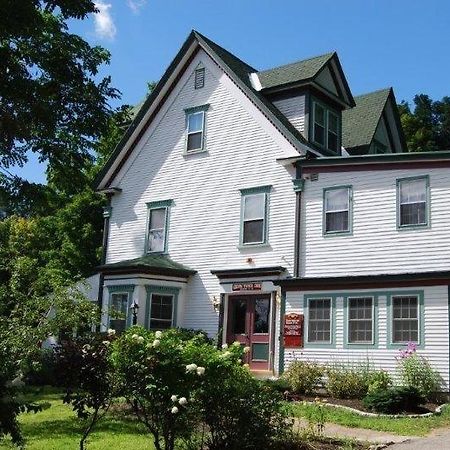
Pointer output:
x,y
135,337
174,410
247,366
200,370
158,334
246,349
225,354
174,398
156,343
106,343
191,367
183,401
224,346
111,332
236,343
140,339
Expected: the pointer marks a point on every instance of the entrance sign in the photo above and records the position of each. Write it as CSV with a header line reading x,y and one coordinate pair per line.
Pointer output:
x,y
254,286
293,330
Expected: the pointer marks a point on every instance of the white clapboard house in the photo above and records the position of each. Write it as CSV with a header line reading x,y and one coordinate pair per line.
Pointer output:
x,y
238,196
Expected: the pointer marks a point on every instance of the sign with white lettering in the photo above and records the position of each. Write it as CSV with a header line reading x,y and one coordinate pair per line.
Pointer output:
x,y
293,330
252,286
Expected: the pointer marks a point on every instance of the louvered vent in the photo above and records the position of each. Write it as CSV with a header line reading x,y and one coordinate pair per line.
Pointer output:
x,y
199,78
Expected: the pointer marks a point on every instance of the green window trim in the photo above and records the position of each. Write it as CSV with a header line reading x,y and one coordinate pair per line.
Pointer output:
x,y
160,204
121,289
421,318
161,290
427,223
327,112
374,296
255,191
332,343
348,232
188,112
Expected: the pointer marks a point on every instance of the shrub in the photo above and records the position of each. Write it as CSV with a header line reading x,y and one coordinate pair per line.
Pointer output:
x,y
347,382
415,370
378,380
42,371
393,400
303,376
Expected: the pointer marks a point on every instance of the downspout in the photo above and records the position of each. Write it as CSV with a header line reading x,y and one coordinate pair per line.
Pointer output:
x,y
106,216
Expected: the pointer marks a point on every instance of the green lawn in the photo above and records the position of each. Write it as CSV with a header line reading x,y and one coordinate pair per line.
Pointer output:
x,y
57,428
403,426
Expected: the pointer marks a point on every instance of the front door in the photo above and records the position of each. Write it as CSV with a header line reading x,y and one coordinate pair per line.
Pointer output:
x,y
249,323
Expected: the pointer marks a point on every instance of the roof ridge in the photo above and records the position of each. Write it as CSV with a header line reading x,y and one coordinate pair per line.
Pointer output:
x,y
386,89
329,55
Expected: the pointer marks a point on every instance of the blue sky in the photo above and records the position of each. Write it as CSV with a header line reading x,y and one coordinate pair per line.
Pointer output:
x,y
399,43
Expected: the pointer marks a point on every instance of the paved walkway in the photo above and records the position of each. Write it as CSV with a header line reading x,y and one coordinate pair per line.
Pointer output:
x,y
360,434
438,440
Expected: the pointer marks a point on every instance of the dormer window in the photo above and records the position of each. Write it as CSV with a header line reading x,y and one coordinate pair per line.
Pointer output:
x,y
326,128
199,78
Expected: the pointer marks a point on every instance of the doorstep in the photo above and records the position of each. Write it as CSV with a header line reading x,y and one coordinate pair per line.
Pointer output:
x,y
262,374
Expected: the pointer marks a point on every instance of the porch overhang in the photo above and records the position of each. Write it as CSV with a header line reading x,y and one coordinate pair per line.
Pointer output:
x,y
148,264
272,271
437,278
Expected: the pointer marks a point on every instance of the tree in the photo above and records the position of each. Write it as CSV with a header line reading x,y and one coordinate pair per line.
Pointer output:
x,y
50,100
427,126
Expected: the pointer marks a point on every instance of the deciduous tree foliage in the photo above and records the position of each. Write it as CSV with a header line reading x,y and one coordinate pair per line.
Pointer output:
x,y
50,100
427,124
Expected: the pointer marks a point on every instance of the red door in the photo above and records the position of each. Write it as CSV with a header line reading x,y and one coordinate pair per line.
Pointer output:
x,y
249,323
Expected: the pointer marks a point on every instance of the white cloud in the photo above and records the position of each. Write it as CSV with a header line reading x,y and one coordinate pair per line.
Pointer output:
x,y
104,24
136,5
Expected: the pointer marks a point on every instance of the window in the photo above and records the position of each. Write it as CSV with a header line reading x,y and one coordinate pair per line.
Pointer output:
x,y
326,128
119,305
161,307
161,311
360,320
158,221
195,125
337,215
405,319
254,215
199,78
319,320
412,198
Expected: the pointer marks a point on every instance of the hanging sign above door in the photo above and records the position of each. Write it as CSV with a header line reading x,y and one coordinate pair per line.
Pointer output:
x,y
251,286
293,330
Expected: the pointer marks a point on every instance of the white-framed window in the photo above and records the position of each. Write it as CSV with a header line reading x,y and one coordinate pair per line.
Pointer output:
x,y
254,215
405,319
337,210
119,305
360,320
412,202
157,229
319,320
195,131
326,130
199,78
161,311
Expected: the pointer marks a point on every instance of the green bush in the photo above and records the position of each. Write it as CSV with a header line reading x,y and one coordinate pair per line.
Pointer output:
x,y
393,400
303,376
347,382
42,371
378,380
416,371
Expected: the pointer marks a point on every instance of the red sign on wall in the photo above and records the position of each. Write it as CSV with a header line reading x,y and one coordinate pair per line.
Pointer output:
x,y
293,330
254,286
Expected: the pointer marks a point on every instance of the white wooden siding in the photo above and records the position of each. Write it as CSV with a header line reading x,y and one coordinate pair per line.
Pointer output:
x,y
205,217
375,245
294,109
436,333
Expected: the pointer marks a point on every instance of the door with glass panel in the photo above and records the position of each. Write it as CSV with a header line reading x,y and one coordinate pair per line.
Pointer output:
x,y
249,322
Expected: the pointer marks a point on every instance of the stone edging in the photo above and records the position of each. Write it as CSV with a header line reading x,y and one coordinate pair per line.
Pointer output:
x,y
437,411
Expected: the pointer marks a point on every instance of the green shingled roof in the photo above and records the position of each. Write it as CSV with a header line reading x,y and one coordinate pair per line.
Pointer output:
x,y
293,73
157,264
360,123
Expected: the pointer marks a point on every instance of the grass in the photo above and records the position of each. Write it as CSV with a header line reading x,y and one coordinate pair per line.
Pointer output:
x,y
57,428
402,426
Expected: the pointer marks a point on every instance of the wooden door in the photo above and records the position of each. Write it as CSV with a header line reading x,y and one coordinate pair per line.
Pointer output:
x,y
249,322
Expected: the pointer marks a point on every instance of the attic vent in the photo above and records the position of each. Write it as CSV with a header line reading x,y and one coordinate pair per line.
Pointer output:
x,y
314,176
199,78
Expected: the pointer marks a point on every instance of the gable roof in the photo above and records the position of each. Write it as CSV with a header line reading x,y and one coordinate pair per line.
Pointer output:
x,y
360,123
294,72
235,68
